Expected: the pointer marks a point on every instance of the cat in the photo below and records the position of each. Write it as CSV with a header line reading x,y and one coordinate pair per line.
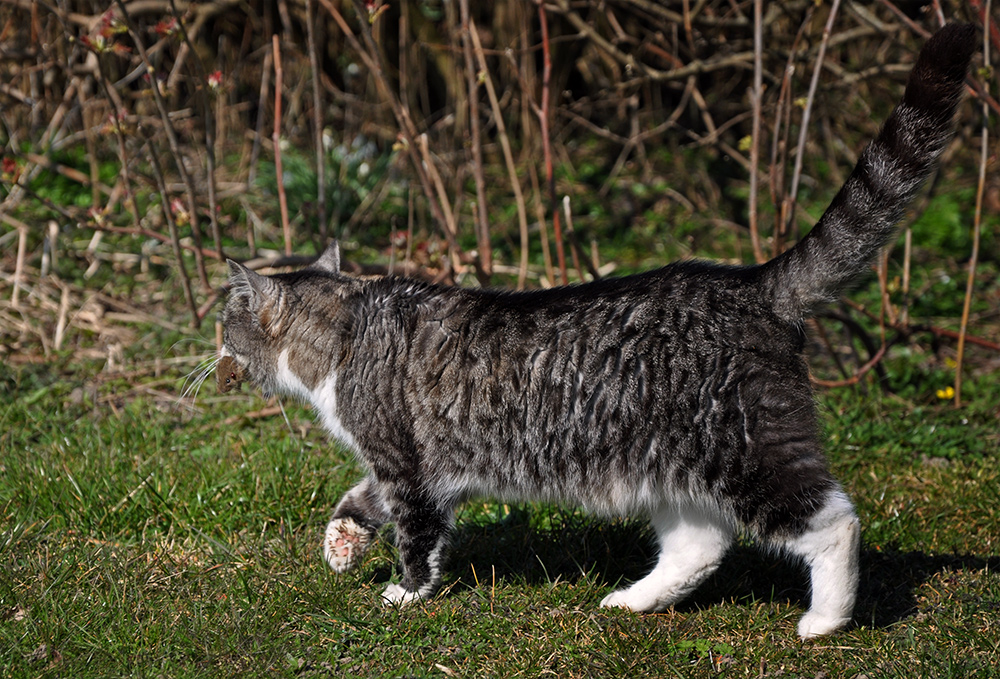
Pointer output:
x,y
680,394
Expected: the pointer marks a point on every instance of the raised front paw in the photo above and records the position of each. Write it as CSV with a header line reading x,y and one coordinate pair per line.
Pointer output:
x,y
395,594
345,543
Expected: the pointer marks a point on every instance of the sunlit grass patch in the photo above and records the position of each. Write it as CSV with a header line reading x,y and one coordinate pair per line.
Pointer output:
x,y
147,539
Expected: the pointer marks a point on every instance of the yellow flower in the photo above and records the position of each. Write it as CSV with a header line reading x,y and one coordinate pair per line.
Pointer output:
x,y
946,393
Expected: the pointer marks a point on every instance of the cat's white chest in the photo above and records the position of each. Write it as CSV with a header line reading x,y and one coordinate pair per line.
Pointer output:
x,y
323,399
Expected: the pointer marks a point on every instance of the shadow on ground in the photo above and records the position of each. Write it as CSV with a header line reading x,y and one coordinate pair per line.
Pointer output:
x,y
567,547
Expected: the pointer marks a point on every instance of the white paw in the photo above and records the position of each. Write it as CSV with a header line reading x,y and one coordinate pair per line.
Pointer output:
x,y
394,594
631,599
344,543
814,625
615,600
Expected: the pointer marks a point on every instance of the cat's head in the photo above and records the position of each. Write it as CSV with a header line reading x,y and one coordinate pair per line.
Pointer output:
x,y
269,318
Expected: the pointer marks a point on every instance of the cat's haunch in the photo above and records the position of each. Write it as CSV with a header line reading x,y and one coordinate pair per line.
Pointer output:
x,y
679,394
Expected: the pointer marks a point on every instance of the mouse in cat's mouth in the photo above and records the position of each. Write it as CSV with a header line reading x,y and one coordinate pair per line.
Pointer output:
x,y
229,375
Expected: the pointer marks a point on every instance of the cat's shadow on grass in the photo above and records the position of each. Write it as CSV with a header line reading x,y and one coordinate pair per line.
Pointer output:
x,y
567,547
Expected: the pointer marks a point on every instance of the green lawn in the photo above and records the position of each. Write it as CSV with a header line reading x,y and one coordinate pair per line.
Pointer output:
x,y
141,536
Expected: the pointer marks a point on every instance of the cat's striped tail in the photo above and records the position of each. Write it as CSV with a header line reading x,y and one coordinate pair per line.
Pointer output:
x,y
863,216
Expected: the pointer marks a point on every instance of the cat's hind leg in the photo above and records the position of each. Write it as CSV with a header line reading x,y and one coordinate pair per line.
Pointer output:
x,y
829,546
692,543
355,521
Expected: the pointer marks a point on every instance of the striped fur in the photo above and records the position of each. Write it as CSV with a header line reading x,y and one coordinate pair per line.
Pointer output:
x,y
680,394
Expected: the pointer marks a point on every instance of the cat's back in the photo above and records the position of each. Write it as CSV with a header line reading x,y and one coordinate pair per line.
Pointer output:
x,y
600,376
687,307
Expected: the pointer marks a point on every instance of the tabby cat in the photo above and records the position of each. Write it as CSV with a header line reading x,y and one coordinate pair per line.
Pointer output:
x,y
680,394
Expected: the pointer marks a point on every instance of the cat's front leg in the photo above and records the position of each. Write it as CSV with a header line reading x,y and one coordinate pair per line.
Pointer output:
x,y
355,521
422,528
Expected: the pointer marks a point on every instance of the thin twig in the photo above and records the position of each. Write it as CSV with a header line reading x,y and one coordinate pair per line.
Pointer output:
x,y
276,138
508,154
175,149
174,237
265,87
408,131
543,119
103,227
904,316
485,268
22,249
695,67
856,377
757,96
792,197
317,120
209,120
117,119
583,264
780,136
550,272
976,223
925,327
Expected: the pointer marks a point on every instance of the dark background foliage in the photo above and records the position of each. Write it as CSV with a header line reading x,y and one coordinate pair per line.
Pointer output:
x,y
503,143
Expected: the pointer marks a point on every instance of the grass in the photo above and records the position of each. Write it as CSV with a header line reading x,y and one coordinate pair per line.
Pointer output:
x,y
142,537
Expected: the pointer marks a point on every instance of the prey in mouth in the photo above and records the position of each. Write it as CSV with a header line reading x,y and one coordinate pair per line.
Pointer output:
x,y
229,375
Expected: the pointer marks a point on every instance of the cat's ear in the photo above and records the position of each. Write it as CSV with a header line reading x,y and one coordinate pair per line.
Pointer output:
x,y
243,281
329,261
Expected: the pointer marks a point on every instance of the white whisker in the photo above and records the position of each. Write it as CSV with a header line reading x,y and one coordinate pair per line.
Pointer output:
x,y
192,340
196,378
281,407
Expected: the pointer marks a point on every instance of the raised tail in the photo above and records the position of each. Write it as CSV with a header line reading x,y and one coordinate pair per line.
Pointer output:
x,y
863,215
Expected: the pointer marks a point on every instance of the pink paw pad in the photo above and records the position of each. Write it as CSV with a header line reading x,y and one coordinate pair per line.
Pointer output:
x,y
345,543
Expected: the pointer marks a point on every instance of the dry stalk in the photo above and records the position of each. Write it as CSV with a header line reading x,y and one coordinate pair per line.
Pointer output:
x,y
168,128
60,333
317,119
780,138
209,120
550,272
485,269
450,226
904,317
580,260
174,237
265,87
856,377
543,118
792,197
976,222
371,58
757,96
22,250
508,155
276,138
